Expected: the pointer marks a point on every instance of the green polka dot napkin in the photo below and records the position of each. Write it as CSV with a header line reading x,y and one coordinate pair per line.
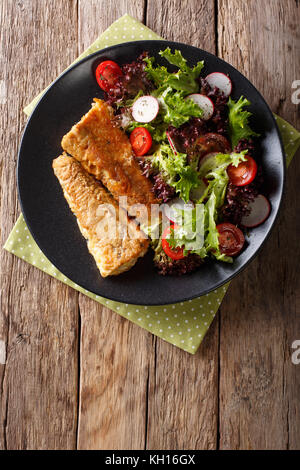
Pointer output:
x,y
183,324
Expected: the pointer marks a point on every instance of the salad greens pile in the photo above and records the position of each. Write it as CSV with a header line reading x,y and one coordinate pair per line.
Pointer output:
x,y
172,90
204,215
175,108
183,80
186,177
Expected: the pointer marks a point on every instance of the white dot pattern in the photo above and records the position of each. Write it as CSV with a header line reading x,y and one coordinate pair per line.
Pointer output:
x,y
179,328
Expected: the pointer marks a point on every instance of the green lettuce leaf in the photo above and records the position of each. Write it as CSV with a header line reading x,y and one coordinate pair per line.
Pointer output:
x,y
215,195
220,162
174,109
157,128
172,89
211,214
133,124
188,180
175,170
190,232
183,80
158,74
214,170
238,117
177,59
128,103
198,234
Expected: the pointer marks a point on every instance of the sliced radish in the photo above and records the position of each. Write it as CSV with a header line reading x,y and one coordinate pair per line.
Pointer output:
x,y
172,145
260,210
170,209
204,103
221,81
145,109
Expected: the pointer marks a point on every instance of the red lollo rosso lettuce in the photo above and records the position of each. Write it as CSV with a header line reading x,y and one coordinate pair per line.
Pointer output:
x,y
167,266
133,81
239,121
161,189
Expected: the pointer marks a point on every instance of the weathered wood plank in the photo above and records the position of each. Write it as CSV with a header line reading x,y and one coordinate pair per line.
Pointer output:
x,y
114,352
183,396
183,391
96,16
38,318
113,380
137,390
188,21
259,386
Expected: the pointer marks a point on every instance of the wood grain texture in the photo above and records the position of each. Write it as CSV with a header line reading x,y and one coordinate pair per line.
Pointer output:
x,y
188,21
113,381
259,387
95,16
38,318
114,352
183,390
183,396
240,390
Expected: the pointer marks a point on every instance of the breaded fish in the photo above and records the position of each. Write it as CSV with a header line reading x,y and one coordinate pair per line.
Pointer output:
x,y
115,248
104,151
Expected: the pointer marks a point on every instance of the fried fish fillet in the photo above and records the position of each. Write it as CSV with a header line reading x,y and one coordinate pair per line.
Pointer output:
x,y
104,151
115,241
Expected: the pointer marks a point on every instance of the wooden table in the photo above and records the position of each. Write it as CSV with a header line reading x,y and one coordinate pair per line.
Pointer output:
x,y
78,375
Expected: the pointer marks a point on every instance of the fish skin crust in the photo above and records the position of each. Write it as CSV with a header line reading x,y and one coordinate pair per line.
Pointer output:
x,y
105,151
86,198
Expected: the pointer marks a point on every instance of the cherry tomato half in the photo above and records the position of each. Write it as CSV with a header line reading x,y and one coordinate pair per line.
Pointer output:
x,y
244,173
212,142
141,141
107,74
174,253
231,239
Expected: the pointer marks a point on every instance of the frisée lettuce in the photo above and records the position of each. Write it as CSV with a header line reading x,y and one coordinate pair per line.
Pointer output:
x,y
183,80
173,88
238,118
175,170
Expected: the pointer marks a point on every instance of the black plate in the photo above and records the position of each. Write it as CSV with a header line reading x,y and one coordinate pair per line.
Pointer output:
x,y
50,220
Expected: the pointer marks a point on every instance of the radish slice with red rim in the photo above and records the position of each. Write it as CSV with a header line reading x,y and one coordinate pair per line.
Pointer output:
x,y
221,81
170,209
172,145
145,109
260,209
204,103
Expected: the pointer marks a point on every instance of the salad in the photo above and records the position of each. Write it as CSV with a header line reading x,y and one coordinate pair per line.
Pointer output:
x,y
195,143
